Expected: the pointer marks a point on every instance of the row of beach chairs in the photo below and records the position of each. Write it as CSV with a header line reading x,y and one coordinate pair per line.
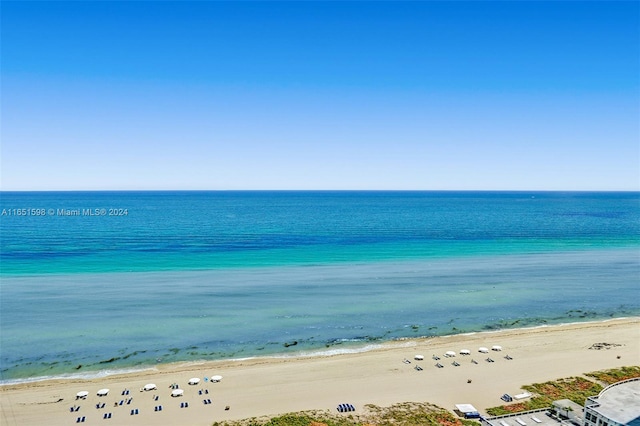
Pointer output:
x,y
80,419
343,408
106,416
157,408
184,405
206,401
100,405
135,411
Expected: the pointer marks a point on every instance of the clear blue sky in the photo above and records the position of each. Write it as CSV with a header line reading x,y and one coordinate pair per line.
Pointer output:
x,y
320,95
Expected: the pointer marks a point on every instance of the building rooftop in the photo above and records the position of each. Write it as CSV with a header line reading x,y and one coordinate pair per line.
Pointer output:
x,y
620,402
529,418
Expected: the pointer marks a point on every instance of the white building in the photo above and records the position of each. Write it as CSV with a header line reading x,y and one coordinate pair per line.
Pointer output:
x,y
616,405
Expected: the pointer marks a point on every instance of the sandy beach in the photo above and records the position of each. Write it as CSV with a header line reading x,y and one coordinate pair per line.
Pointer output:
x,y
268,386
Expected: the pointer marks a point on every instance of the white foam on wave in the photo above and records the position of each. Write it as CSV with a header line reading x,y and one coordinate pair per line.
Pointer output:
x,y
343,351
77,376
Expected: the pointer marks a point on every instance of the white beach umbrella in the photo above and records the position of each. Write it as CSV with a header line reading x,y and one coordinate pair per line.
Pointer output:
x,y
149,386
177,392
103,392
418,357
216,378
496,348
194,381
450,353
82,394
483,350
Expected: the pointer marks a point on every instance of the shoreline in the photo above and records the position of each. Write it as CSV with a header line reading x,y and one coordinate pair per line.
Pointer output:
x,y
319,353
265,386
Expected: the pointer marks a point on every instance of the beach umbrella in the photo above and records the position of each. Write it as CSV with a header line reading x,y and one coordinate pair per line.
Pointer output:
x,y
216,378
194,381
465,352
496,348
177,392
103,392
483,350
418,357
82,394
450,353
149,386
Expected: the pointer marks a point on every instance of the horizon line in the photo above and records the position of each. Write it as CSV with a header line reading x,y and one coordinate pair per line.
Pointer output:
x,y
320,190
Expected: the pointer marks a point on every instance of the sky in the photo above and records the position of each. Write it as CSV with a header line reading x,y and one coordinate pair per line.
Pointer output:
x,y
205,95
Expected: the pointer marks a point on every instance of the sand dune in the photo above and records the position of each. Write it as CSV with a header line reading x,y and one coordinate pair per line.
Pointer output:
x,y
267,386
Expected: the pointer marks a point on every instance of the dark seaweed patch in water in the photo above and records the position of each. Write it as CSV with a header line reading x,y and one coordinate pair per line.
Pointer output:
x,y
133,354
579,313
110,360
522,322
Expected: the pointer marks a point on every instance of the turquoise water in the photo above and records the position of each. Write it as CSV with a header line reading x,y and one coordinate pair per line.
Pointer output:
x,y
175,276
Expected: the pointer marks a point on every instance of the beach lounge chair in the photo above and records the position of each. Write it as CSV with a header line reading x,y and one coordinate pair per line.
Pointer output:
x,y
535,419
455,363
520,421
418,368
503,423
508,357
77,408
344,408
439,365
473,361
436,358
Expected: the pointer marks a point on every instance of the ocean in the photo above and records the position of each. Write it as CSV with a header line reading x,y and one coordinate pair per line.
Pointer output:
x,y
97,282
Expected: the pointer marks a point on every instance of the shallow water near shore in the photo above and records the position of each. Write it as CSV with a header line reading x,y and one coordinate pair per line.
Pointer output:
x,y
290,280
